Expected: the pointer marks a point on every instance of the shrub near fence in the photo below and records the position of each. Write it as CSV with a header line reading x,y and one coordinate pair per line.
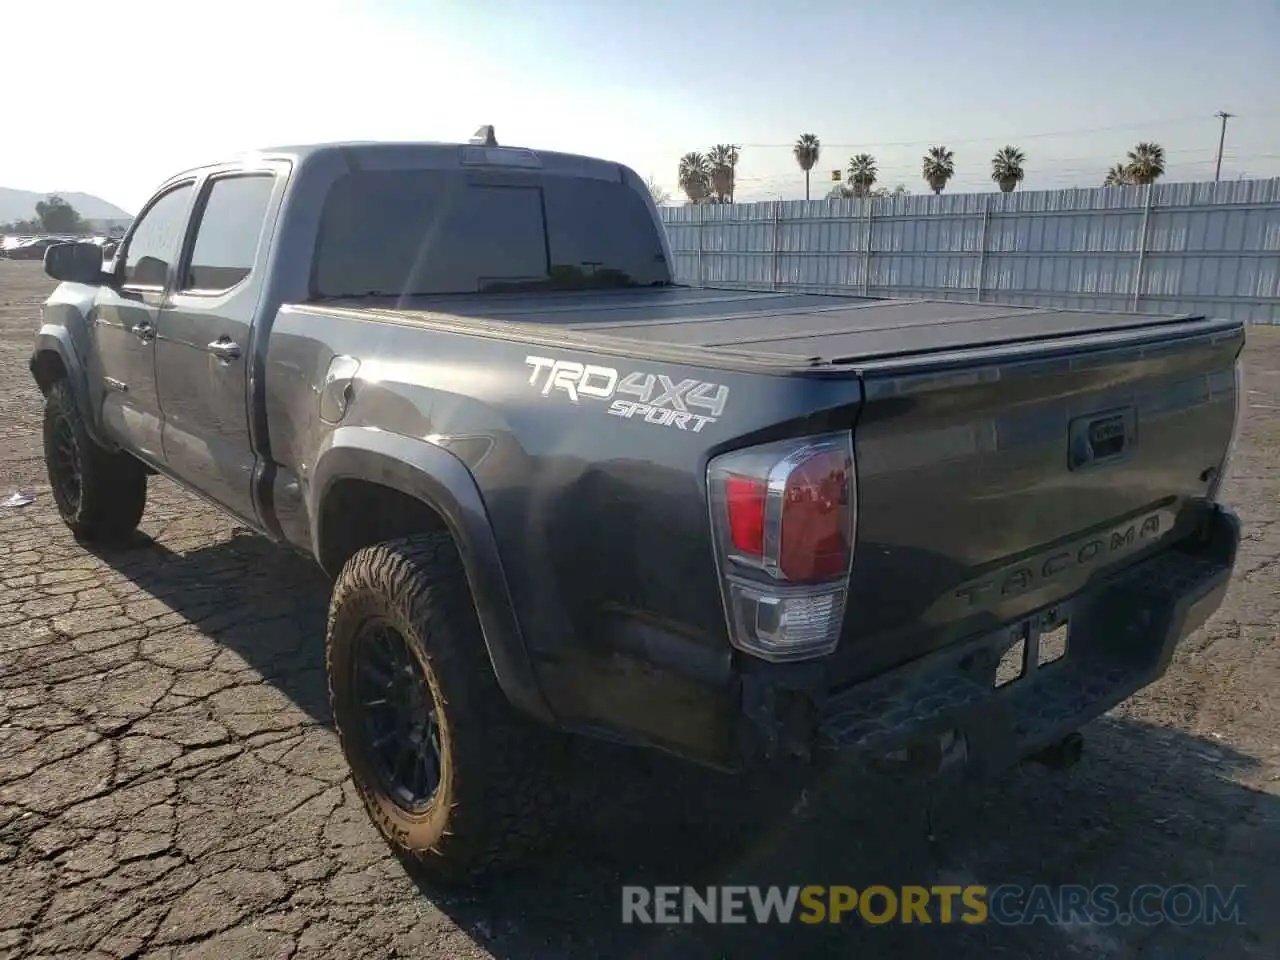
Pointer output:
x,y
1203,248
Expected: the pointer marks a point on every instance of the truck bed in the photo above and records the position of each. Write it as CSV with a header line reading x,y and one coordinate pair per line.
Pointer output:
x,y
981,497
808,329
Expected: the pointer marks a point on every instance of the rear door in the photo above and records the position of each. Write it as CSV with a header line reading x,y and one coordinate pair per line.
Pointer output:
x,y
203,349
123,363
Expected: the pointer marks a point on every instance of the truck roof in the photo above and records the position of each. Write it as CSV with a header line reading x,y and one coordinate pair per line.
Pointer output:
x,y
428,153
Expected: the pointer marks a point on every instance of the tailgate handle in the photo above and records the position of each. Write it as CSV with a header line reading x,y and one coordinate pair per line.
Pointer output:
x,y
1102,437
1106,437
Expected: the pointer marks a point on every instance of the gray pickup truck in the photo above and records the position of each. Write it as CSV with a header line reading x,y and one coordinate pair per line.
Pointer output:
x,y
559,493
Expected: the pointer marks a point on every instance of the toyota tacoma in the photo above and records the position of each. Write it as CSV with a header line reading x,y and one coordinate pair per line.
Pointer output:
x,y
559,493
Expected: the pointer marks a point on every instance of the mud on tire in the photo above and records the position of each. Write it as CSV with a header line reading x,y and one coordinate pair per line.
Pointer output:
x,y
493,800
100,495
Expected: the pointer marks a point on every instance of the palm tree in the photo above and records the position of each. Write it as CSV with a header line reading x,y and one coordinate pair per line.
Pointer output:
x,y
723,159
695,176
807,151
1146,163
862,174
1006,168
938,167
1117,176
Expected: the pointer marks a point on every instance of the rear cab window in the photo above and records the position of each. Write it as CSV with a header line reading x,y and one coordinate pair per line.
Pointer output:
x,y
427,232
228,232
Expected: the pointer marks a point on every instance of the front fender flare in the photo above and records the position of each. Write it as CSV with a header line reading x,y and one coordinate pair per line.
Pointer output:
x,y
57,340
436,477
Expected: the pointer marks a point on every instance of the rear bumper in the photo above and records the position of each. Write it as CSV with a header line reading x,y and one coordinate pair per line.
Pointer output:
x,y
945,710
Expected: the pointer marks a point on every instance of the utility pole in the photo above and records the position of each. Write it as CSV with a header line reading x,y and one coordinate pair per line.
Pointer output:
x,y
733,168
1222,139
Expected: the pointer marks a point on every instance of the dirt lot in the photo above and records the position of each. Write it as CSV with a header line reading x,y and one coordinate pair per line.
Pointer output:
x,y
170,784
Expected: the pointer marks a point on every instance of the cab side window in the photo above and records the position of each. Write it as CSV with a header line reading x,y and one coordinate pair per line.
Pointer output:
x,y
157,239
230,227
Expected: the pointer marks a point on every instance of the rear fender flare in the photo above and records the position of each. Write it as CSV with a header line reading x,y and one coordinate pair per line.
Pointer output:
x,y
436,477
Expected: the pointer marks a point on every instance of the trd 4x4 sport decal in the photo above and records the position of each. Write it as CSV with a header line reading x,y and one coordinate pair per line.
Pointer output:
x,y
651,397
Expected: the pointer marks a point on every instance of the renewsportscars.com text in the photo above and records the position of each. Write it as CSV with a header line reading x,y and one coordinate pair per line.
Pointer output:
x,y
1005,904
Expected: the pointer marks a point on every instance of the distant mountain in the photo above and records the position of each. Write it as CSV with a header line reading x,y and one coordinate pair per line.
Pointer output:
x,y
21,205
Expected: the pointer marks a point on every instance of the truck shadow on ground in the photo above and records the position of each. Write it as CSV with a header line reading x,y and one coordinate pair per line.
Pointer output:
x,y
1146,805
264,602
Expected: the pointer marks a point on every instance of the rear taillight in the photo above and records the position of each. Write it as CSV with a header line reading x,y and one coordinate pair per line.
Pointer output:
x,y
783,516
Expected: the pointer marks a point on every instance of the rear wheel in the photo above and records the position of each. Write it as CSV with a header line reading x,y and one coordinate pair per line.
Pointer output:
x,y
453,778
100,495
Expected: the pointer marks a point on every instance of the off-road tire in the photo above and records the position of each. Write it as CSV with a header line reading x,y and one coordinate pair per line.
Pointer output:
x,y
495,798
100,495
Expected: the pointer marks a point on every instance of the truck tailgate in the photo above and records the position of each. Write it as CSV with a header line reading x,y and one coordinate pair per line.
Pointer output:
x,y
993,485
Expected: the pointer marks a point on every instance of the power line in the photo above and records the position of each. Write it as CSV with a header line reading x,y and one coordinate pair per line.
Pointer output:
x,y
1077,161
888,175
1080,163
753,191
1139,124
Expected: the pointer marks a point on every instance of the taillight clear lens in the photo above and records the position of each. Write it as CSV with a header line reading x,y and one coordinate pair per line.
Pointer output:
x,y
784,516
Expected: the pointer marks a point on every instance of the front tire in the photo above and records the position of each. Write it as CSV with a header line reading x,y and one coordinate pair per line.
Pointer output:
x,y
100,495
451,776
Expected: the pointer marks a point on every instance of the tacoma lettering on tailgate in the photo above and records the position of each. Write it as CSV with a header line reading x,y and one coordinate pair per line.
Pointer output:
x,y
1075,559
686,404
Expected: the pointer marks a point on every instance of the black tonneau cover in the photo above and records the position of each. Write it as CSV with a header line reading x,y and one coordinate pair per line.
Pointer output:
x,y
812,328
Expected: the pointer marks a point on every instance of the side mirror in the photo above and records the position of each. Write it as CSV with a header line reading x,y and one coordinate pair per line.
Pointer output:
x,y
74,262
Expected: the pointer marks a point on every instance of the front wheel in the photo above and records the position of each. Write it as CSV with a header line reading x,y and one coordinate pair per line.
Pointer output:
x,y
452,777
100,495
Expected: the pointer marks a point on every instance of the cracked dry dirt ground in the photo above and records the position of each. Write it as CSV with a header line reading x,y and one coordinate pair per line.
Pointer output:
x,y
170,785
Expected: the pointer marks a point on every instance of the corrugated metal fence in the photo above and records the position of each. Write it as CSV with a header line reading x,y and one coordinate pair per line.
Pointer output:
x,y
1210,248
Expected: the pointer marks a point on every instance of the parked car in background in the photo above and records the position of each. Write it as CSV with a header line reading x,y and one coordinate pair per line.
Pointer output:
x,y
33,248
11,242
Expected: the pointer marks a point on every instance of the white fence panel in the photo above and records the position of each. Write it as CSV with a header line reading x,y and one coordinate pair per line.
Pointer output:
x,y
1211,248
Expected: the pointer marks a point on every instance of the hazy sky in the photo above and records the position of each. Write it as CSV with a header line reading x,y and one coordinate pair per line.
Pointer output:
x,y
112,96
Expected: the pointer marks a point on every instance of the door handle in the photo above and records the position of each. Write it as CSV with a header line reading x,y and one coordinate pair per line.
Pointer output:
x,y
143,331
224,348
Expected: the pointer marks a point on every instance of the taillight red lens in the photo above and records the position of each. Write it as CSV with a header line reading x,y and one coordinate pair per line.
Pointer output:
x,y
814,540
744,502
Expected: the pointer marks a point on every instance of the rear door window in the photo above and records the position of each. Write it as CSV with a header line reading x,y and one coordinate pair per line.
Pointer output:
x,y
229,231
